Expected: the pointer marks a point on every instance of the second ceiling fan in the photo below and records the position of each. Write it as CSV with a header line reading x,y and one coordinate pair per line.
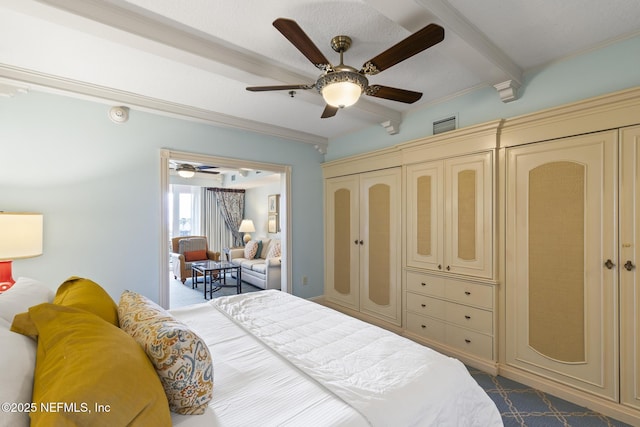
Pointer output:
x,y
341,85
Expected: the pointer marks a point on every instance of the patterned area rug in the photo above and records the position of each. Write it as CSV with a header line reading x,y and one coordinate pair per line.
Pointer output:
x,y
521,405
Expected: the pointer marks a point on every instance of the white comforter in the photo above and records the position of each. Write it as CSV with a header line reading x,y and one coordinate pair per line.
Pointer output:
x,y
386,379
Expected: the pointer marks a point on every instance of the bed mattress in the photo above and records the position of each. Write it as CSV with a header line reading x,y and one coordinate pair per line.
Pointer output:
x,y
280,360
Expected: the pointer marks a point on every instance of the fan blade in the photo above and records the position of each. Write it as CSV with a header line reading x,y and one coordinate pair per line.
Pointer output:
x,y
329,111
394,94
292,31
417,42
282,87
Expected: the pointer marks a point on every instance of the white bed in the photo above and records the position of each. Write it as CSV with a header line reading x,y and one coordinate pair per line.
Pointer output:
x,y
280,360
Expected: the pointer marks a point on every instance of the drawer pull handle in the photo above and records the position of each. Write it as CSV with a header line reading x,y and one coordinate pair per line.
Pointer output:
x,y
467,340
448,268
423,305
439,266
467,317
467,293
423,284
423,326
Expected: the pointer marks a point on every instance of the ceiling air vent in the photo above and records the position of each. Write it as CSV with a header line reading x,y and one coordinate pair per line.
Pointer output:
x,y
444,125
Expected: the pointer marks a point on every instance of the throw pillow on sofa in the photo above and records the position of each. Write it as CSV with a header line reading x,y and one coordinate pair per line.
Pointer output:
x,y
274,250
251,249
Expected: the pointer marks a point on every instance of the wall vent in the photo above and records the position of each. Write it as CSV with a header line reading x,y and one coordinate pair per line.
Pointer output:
x,y
444,125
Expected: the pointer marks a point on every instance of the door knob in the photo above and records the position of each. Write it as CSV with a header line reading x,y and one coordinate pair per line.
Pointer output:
x,y
629,265
609,264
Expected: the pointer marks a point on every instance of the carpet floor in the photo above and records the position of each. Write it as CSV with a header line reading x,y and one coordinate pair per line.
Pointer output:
x,y
518,404
183,294
522,406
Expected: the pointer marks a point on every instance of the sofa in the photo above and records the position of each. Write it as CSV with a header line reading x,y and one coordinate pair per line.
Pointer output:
x,y
260,262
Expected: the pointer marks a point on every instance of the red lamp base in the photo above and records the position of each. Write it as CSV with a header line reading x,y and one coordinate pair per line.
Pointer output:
x,y
6,279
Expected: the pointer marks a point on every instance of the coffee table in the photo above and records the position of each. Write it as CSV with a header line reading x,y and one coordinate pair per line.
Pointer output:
x,y
216,271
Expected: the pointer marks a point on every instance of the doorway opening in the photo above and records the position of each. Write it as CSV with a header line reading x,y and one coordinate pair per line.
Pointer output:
x,y
181,205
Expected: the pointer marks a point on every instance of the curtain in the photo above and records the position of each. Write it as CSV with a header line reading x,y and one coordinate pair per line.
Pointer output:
x,y
223,210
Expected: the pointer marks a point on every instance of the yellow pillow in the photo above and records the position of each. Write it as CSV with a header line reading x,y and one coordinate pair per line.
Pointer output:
x,y
96,369
87,295
181,358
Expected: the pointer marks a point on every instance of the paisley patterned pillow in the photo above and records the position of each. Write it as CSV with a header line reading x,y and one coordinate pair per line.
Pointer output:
x,y
181,358
251,249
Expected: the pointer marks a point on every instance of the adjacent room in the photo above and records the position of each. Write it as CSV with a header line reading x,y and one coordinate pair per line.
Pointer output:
x,y
333,213
201,207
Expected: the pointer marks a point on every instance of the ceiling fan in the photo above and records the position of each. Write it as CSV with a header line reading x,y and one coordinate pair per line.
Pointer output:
x,y
342,85
187,170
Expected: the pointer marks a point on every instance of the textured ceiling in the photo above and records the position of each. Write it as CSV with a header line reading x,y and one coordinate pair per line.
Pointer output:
x,y
194,58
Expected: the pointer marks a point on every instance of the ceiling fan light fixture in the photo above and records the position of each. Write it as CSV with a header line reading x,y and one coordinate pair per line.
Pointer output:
x,y
186,170
341,88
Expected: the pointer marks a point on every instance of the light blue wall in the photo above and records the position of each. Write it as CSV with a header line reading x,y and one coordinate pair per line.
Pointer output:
x,y
103,221
610,69
98,185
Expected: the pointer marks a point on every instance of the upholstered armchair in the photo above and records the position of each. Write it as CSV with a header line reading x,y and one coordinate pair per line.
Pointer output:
x,y
186,250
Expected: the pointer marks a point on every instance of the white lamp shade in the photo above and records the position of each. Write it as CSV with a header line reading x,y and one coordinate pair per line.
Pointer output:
x,y
246,226
20,235
341,94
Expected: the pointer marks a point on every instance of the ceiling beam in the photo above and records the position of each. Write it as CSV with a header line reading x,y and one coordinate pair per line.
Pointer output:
x,y
475,38
412,15
234,62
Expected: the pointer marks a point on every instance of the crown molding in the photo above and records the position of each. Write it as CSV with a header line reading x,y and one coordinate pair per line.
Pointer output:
x,y
69,87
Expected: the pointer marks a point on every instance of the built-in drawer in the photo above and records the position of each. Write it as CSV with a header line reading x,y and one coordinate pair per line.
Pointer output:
x,y
426,306
426,327
469,293
469,317
425,284
469,341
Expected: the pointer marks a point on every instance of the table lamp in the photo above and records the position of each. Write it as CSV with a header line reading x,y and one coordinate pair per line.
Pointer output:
x,y
20,237
246,227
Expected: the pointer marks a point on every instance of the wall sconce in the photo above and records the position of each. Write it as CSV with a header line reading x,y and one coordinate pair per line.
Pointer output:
x,y
21,238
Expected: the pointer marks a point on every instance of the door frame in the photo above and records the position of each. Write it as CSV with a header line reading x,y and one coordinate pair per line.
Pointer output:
x,y
166,156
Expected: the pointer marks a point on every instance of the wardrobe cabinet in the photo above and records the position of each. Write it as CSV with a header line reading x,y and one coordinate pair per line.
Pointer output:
x,y
362,242
449,215
571,236
449,254
627,267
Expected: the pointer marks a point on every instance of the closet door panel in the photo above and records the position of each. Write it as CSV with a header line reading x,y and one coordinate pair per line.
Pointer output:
x,y
342,237
425,220
380,227
629,286
561,298
468,225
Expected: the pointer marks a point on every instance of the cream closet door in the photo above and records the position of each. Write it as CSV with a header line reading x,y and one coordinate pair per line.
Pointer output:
x,y
380,243
425,215
628,262
342,250
561,298
449,213
468,226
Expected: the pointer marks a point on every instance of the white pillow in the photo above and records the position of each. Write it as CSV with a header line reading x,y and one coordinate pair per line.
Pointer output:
x,y
23,294
18,362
